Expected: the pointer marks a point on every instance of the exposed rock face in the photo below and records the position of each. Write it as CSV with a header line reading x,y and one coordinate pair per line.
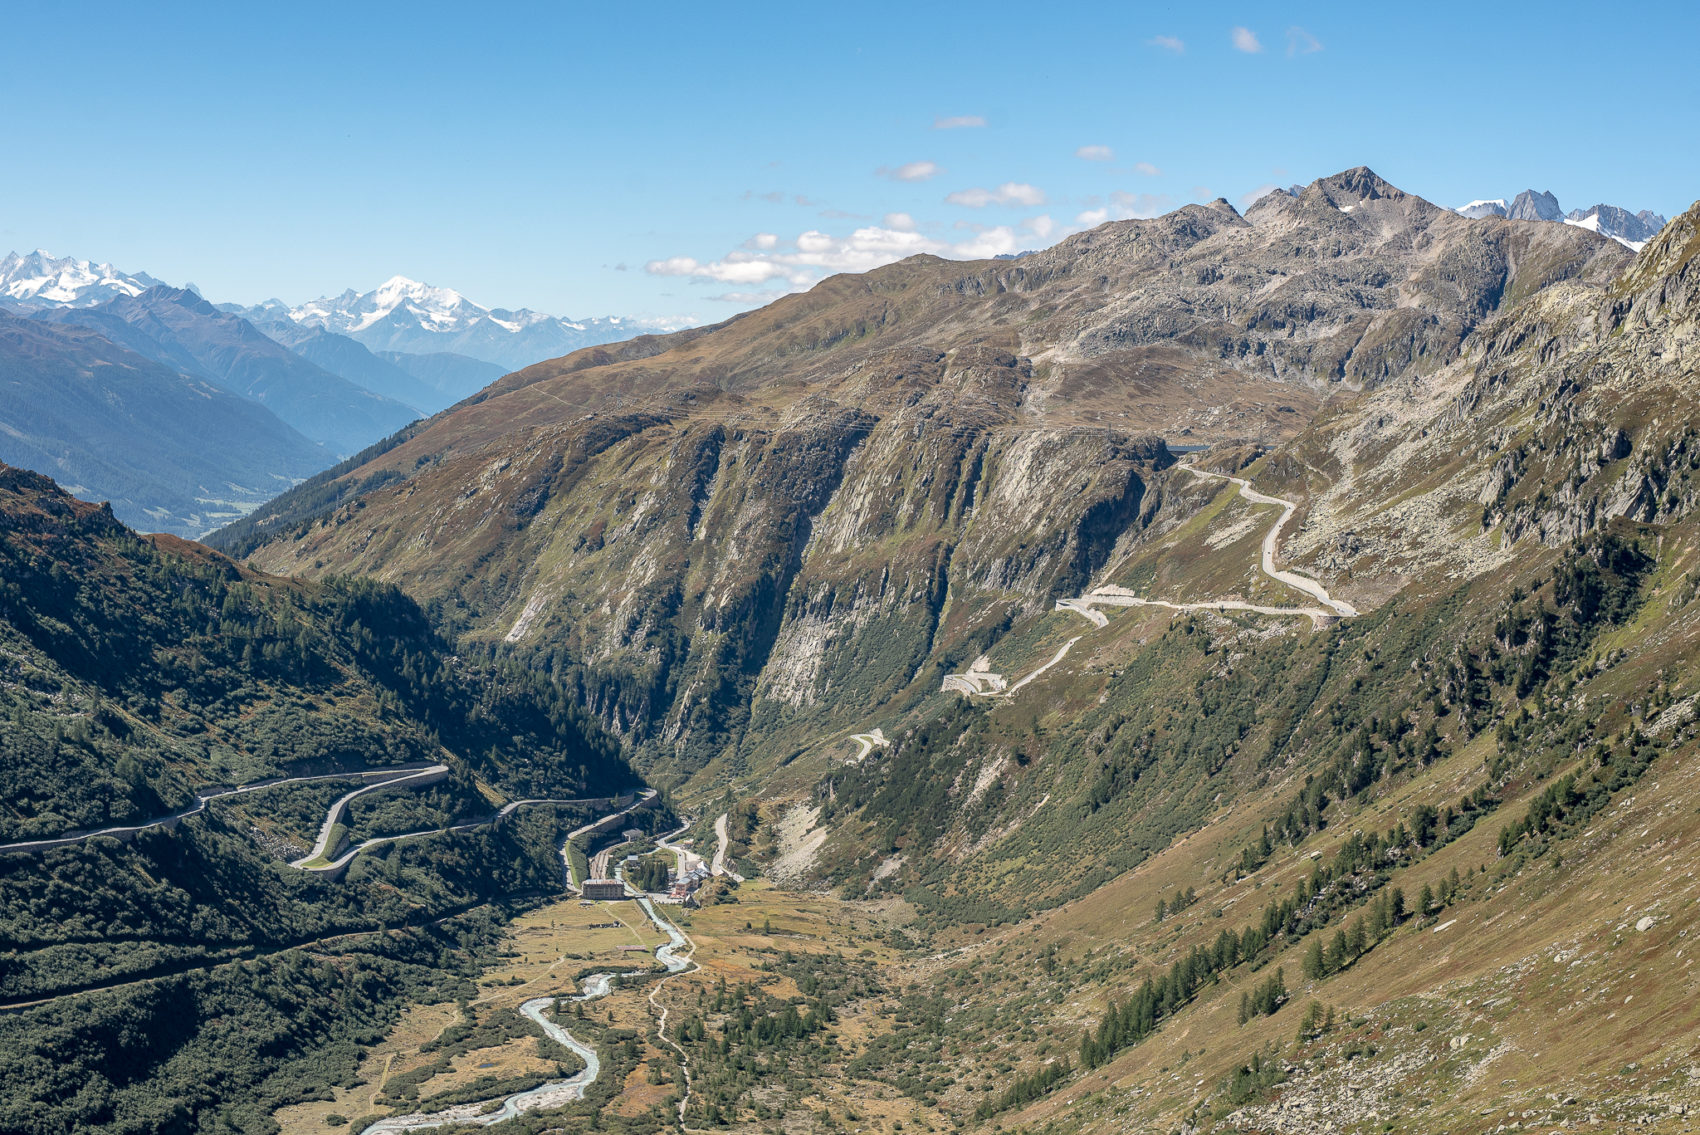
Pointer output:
x,y
1532,206
1612,221
1571,409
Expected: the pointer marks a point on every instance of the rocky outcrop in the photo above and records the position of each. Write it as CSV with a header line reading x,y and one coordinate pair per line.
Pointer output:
x,y
1532,206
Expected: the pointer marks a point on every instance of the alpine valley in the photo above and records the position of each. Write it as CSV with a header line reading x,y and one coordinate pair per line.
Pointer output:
x,y
1229,671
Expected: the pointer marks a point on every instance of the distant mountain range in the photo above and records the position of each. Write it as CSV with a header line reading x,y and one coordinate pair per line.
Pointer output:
x,y
400,315
185,415
1629,229
406,315
179,329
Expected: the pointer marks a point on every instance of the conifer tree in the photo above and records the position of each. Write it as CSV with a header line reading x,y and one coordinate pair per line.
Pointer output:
x,y
1315,964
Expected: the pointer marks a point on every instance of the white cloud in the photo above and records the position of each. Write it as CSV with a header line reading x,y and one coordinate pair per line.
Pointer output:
x,y
1246,41
1261,191
911,171
819,253
773,196
1126,206
1168,43
1009,193
749,297
1146,169
1095,153
902,222
987,243
736,268
1140,205
762,240
1301,42
958,122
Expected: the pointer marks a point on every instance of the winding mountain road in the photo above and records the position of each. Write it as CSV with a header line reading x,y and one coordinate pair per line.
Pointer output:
x,y
865,744
339,810
1272,542
410,776
718,865
979,681
202,799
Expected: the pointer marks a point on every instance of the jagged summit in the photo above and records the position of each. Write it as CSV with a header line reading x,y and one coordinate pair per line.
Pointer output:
x,y
1476,210
408,315
1361,183
1631,230
40,279
1532,206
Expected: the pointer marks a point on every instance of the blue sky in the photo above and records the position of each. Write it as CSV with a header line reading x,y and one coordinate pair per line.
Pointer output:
x,y
671,159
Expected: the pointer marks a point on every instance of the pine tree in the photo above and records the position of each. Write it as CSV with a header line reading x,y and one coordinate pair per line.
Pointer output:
x,y
1378,918
1425,901
1315,965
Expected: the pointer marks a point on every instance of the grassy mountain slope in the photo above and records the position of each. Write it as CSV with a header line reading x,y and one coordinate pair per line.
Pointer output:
x,y
739,539
1426,869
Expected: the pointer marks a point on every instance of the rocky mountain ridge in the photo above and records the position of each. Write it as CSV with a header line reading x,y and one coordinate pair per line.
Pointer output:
x,y
1632,230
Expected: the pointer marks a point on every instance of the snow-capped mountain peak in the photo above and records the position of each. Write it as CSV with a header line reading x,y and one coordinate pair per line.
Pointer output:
x,y
1489,207
404,314
440,308
39,279
1632,230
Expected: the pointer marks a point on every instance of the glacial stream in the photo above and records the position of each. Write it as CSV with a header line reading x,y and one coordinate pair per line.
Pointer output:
x,y
555,1093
